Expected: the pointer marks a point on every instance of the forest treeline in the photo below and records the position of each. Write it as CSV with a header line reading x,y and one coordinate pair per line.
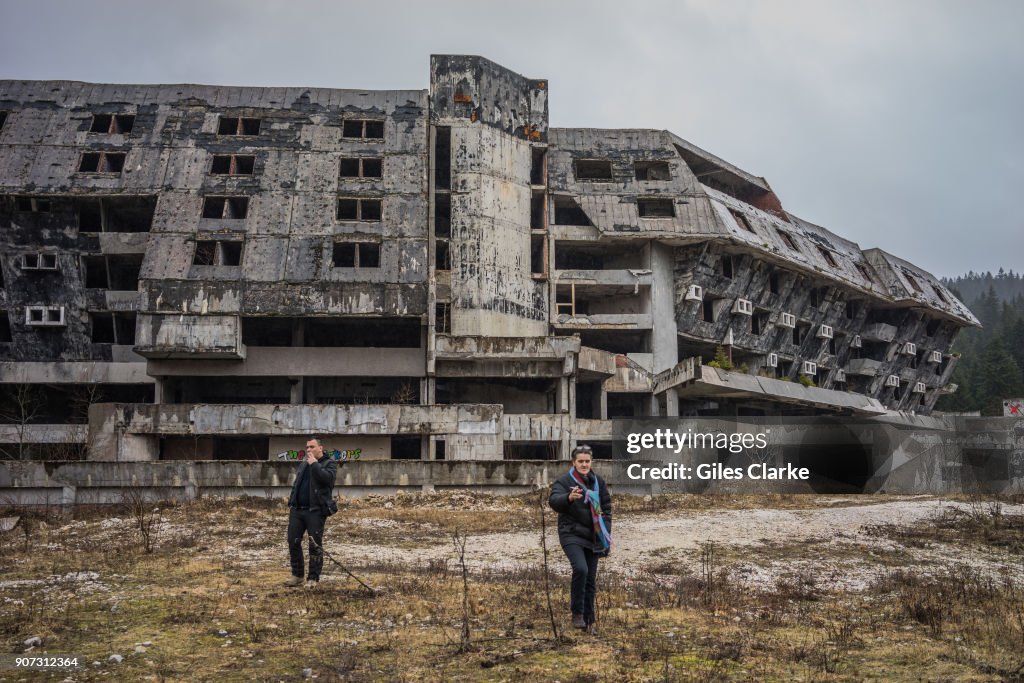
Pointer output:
x,y
991,357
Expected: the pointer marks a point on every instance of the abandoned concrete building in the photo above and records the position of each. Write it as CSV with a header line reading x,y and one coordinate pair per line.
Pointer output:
x,y
198,272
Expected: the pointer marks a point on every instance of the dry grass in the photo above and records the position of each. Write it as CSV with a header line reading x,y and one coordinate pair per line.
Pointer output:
x,y
214,611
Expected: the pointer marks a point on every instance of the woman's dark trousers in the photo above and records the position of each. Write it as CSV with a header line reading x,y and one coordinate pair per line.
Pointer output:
x,y
584,580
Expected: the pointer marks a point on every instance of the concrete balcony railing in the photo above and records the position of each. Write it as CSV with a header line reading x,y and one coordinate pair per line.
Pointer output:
x,y
882,332
605,321
43,433
536,427
863,366
622,278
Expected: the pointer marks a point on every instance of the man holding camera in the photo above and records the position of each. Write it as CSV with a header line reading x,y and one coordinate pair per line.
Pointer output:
x,y
309,505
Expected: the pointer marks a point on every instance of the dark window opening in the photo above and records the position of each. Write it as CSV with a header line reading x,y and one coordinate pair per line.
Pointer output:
x,y
874,350
363,129
787,239
588,400
800,333
5,327
95,268
267,331
406,447
231,125
90,217
537,206
439,449
656,208
102,328
218,253
124,271
395,333
568,212
537,166
852,308
231,253
102,162
356,255
3,119
828,257
359,209
913,282
932,327
442,255
938,293
593,169
818,296
538,255
543,450
115,124
358,167
832,346
206,252
442,319
741,220
773,282
233,164
708,309
616,341
865,272
651,170
443,158
32,205
443,215
758,322
624,405
232,208
727,267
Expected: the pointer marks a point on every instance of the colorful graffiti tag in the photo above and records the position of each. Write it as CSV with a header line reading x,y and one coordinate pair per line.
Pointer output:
x,y
352,454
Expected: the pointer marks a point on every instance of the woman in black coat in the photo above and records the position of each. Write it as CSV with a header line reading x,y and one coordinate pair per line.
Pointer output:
x,y
584,509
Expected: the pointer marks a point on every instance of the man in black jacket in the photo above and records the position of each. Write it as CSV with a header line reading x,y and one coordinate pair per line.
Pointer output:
x,y
309,505
583,538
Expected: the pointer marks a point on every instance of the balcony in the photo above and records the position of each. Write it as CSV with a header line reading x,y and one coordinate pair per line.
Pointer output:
x,y
622,278
882,332
604,321
863,366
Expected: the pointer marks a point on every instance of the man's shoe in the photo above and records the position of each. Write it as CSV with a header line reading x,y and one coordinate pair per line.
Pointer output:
x,y
312,584
293,582
578,621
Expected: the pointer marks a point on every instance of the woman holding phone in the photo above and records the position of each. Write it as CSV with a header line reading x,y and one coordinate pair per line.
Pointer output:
x,y
584,508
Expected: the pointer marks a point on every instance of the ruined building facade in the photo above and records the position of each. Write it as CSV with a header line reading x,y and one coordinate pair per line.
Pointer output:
x,y
196,272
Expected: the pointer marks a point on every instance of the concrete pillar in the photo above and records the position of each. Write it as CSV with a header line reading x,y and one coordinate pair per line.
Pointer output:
x,y
671,403
158,390
297,390
562,401
653,409
664,336
428,391
603,398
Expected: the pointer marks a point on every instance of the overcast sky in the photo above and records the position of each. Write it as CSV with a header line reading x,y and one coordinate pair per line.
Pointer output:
x,y
895,124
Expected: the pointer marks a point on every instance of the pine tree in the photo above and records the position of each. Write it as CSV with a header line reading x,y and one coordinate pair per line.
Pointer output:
x,y
998,377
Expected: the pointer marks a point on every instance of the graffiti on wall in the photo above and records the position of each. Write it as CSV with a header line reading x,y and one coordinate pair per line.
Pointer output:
x,y
352,454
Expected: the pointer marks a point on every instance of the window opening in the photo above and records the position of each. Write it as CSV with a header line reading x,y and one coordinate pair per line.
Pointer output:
x,y
593,169
232,125
656,208
233,164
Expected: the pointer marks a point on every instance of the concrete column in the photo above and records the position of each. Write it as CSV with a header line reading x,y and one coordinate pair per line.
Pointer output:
x,y
671,403
562,400
158,390
664,336
653,409
297,391
428,391
603,398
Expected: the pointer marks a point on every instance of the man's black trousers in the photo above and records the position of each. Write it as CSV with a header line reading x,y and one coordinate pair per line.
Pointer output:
x,y
584,580
301,522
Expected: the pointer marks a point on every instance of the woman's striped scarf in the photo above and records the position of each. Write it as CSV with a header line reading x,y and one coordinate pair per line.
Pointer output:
x,y
593,499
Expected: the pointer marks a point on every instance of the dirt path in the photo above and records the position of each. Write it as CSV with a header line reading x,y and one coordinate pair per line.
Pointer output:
x,y
764,544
